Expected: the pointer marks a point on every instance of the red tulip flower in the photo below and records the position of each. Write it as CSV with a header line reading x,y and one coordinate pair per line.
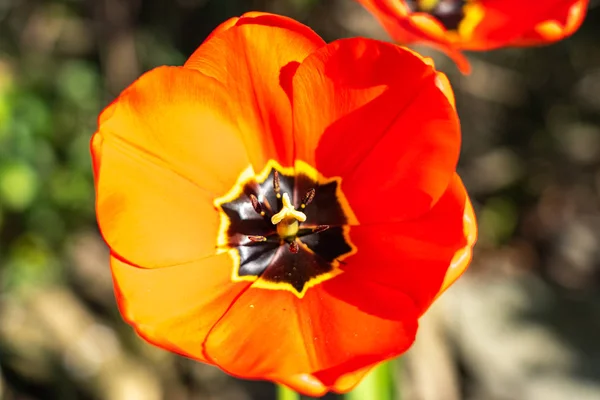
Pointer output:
x,y
455,25
283,208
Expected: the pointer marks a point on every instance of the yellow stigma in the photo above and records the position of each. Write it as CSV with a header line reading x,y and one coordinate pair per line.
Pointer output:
x,y
287,212
428,5
287,218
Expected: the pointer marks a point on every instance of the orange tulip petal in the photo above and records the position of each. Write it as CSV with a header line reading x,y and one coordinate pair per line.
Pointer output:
x,y
157,162
248,59
575,16
149,215
424,29
176,307
443,83
385,127
413,256
339,327
181,120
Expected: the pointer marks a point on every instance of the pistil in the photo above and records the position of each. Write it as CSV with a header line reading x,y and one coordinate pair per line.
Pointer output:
x,y
287,219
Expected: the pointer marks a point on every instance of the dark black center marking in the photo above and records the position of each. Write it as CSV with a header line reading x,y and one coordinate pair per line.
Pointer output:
x,y
291,253
449,12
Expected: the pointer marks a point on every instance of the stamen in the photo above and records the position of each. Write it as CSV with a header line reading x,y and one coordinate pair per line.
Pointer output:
x,y
294,248
267,205
308,198
276,184
256,205
320,228
287,212
254,238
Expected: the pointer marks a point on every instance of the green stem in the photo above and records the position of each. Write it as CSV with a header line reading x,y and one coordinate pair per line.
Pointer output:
x,y
285,393
379,384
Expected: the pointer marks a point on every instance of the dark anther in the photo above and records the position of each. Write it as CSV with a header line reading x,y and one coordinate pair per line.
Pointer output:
x,y
257,238
294,247
320,228
276,184
308,198
256,205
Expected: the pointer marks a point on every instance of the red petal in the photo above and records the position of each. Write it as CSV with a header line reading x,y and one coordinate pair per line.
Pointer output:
x,y
414,256
382,124
488,24
339,327
513,22
406,27
567,19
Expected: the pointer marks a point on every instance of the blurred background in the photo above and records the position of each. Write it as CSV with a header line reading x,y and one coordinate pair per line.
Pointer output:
x,y
522,324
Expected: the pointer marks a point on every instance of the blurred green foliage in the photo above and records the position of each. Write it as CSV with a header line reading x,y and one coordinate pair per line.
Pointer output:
x,y
45,176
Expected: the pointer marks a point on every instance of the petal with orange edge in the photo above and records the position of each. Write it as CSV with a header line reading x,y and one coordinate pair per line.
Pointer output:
x,y
349,381
249,59
452,26
176,307
566,20
414,256
391,14
386,128
406,23
462,258
512,22
339,327
443,83
167,144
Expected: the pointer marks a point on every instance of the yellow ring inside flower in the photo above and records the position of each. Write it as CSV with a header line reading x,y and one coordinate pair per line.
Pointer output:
x,y
271,243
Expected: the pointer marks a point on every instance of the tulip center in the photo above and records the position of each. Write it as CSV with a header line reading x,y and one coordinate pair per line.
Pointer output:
x,y
449,13
285,228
